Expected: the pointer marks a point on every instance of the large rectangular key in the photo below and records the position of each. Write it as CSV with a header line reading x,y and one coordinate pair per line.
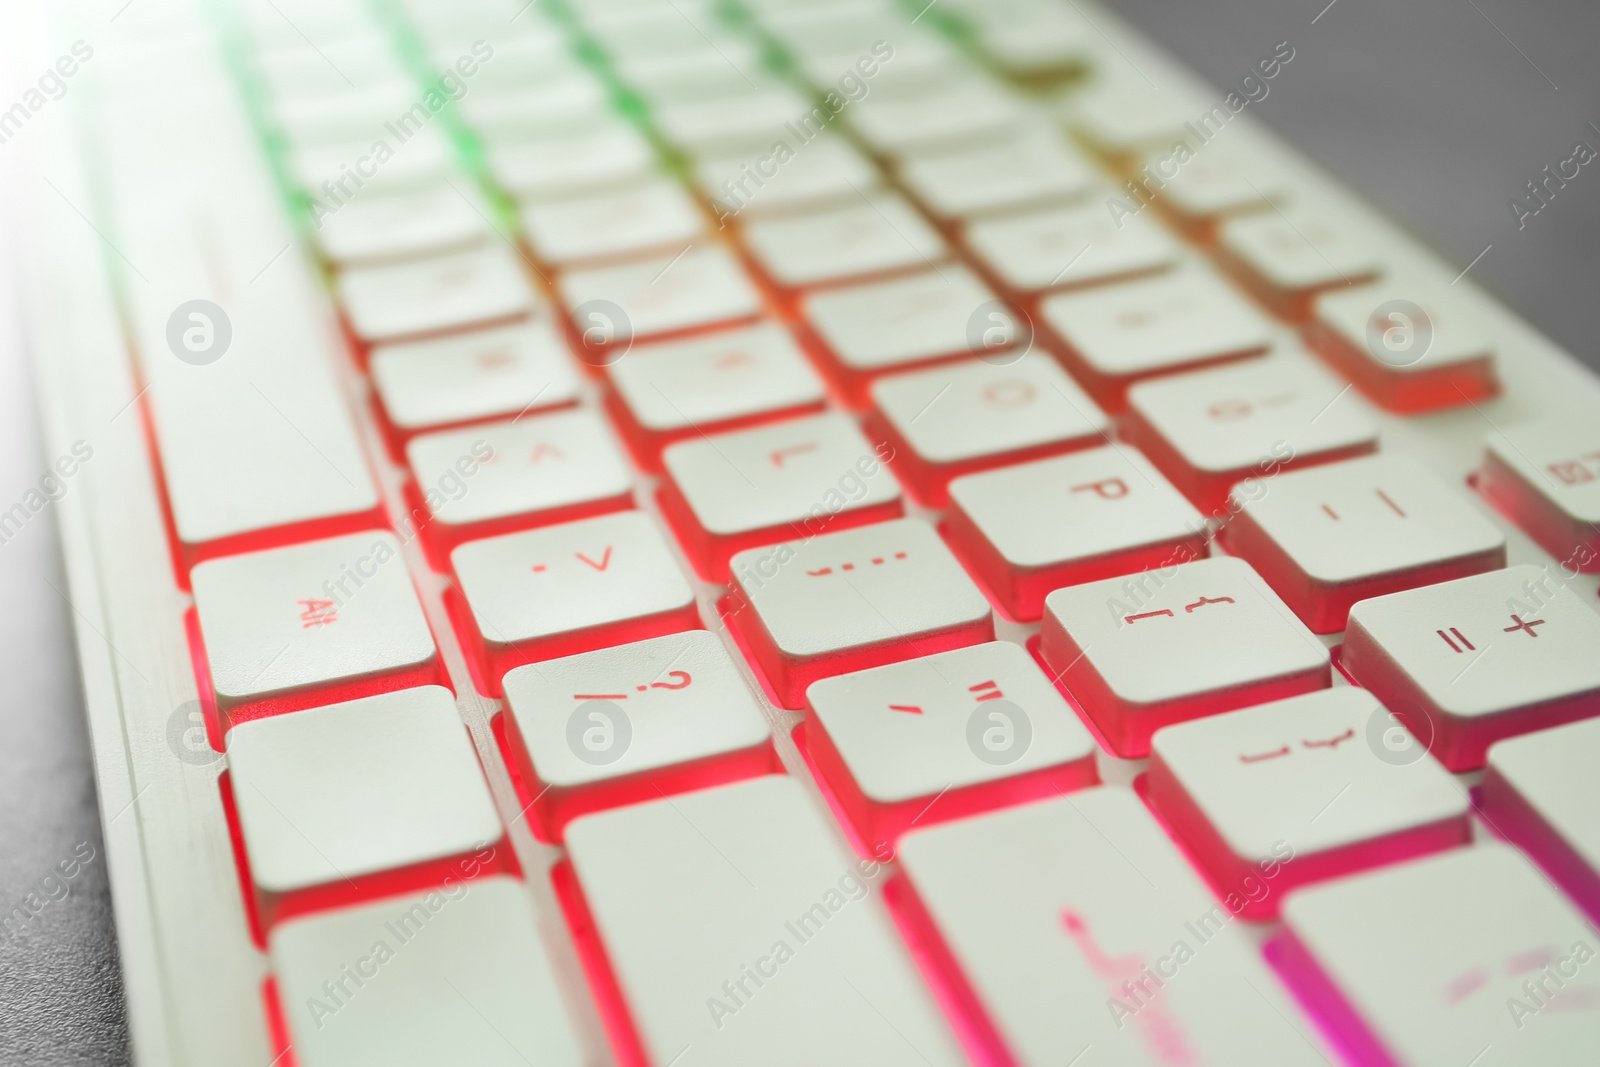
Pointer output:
x,y
739,931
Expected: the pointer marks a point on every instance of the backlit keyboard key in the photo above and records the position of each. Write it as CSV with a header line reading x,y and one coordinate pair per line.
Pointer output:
x,y
957,110
311,624
1408,347
479,287
361,799
1545,477
1065,247
1120,118
1540,791
1165,646
340,174
972,415
1249,421
1032,528
572,100
381,227
1032,169
1468,662
749,120
704,385
1471,954
1072,929
651,218
605,155
1213,186
796,478
876,234
847,601
570,588
943,737
1327,537
1117,335
756,925
454,976
473,376
487,479
904,322
631,723
1316,773
701,287
1288,259
827,172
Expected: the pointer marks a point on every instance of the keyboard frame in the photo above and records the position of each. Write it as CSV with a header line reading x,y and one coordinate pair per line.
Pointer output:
x,y
192,978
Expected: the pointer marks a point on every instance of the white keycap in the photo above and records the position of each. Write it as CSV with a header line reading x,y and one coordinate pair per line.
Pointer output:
x,y
1314,772
1214,185
748,120
879,232
1032,169
590,719
825,172
441,293
1209,429
857,598
959,416
362,59
354,115
566,104
1545,476
702,286
1469,954
1539,790
329,794
1290,257
286,620
609,154
964,107
911,736
1033,527
571,578
1185,641
377,227
479,375
1083,934
813,468
1124,117
654,217
709,69
338,174
458,975
541,466
741,878
1117,334
906,320
682,387
1061,247
1533,648
1332,535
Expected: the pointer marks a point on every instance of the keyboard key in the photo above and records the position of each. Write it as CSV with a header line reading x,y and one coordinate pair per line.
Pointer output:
x,y
1287,260
827,172
631,723
743,880
710,384
379,228
1120,118
846,601
465,979
1073,925
1327,537
651,218
1065,247
972,415
1029,170
1213,186
1545,477
747,121
354,115
361,799
865,330
1313,772
1032,528
569,588
1116,335
1245,422
573,100
772,483
1436,961
606,155
1540,792
954,112
1408,348
479,287
342,173
311,624
944,737
1189,640
875,235
1538,643
658,297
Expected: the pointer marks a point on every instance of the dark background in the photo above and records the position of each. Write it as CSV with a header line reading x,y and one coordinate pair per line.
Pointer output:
x,y
1423,106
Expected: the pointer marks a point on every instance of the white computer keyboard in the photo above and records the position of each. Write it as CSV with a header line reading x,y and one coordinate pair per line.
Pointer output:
x,y
681,533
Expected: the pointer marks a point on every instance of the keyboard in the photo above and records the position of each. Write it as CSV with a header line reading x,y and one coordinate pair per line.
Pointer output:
x,y
691,532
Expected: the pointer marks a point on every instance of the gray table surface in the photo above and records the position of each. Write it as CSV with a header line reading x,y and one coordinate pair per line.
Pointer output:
x,y
1437,110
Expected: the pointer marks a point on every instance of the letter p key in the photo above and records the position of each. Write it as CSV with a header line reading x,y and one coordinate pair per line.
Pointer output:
x,y
1106,488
